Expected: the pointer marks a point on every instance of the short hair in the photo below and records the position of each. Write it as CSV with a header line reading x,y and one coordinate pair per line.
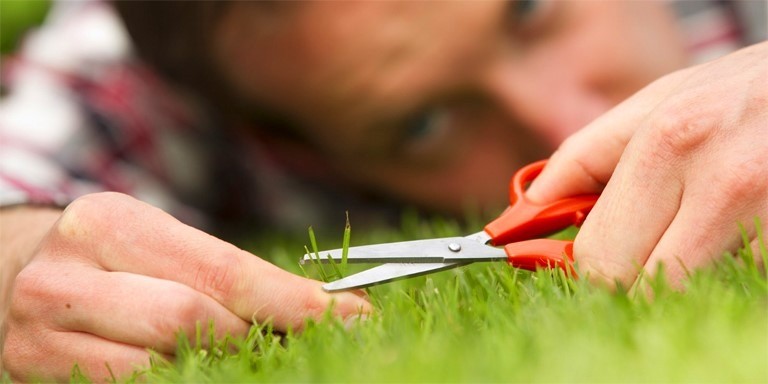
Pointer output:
x,y
174,37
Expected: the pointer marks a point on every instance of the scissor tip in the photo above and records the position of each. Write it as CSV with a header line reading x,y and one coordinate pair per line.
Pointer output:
x,y
334,286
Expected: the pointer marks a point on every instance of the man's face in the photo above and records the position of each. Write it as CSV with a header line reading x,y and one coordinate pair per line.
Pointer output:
x,y
438,103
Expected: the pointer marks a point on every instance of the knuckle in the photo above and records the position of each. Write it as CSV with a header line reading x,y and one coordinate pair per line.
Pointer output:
x,y
303,311
99,219
31,289
294,312
676,132
739,194
567,151
586,171
573,147
217,275
569,146
310,306
88,215
579,166
187,309
746,181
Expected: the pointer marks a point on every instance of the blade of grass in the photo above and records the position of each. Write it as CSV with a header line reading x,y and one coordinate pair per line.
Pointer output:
x,y
336,271
198,337
313,241
315,254
746,253
761,244
77,376
316,262
212,337
345,245
303,271
565,281
112,378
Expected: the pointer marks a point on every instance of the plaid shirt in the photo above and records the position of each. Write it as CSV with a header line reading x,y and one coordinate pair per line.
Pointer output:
x,y
82,117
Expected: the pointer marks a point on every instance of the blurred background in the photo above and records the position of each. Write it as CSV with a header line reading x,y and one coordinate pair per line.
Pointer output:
x,y
16,18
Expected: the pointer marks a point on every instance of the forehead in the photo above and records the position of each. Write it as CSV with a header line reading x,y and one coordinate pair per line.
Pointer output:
x,y
324,56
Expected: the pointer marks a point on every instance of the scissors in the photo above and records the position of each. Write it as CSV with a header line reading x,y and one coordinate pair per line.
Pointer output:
x,y
515,229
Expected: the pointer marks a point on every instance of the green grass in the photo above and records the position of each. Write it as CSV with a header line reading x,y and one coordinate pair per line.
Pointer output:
x,y
490,323
16,18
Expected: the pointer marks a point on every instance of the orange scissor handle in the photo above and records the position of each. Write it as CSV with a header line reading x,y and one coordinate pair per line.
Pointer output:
x,y
541,253
524,220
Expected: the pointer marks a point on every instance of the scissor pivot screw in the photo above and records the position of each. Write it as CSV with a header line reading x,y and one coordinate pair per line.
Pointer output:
x,y
454,247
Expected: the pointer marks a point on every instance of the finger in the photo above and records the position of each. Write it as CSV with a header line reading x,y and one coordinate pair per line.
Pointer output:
x,y
97,358
586,160
632,214
135,309
705,228
137,238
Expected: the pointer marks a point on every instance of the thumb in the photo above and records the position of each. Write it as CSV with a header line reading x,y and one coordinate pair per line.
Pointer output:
x,y
585,161
582,164
288,299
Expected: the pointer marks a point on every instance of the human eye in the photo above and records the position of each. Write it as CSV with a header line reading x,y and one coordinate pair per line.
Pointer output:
x,y
423,136
424,125
521,9
526,17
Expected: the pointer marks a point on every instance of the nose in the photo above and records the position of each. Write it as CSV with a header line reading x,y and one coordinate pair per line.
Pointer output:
x,y
548,95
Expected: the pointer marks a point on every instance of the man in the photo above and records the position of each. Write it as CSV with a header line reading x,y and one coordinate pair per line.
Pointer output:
x,y
431,103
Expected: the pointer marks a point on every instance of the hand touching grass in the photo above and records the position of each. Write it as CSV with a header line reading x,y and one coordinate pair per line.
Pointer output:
x,y
115,277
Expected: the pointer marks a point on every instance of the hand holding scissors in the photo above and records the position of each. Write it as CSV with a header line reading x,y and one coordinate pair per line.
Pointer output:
x,y
515,229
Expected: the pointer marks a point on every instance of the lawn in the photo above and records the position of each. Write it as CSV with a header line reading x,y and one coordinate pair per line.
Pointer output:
x,y
491,323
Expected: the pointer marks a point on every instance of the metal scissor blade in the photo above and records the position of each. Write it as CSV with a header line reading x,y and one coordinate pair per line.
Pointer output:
x,y
440,250
386,273
416,251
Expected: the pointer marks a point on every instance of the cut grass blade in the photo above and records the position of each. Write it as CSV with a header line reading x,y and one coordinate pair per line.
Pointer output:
x,y
336,271
339,268
315,255
746,253
761,245
345,245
